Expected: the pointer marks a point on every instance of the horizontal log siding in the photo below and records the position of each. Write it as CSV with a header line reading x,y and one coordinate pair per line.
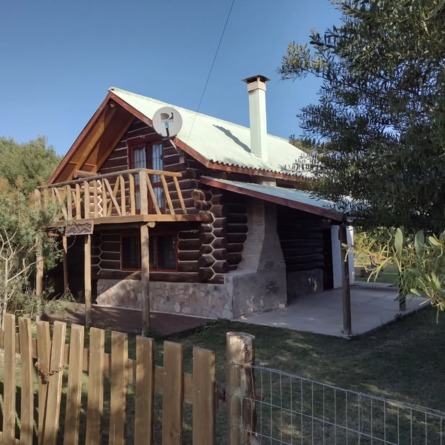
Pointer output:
x,y
108,262
301,237
236,228
95,255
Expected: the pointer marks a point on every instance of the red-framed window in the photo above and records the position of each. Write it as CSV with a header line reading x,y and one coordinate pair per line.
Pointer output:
x,y
162,248
147,153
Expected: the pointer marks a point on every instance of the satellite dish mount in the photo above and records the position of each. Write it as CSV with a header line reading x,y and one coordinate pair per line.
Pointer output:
x,y
167,122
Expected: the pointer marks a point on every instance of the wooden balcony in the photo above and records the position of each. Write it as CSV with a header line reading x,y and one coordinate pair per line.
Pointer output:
x,y
139,195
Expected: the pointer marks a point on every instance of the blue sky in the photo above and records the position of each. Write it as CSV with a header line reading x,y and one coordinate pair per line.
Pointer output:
x,y
59,58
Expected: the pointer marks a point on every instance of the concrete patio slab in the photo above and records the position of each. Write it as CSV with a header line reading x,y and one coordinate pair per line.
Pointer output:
x,y
372,306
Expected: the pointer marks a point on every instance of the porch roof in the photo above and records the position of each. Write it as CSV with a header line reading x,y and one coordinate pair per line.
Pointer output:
x,y
293,198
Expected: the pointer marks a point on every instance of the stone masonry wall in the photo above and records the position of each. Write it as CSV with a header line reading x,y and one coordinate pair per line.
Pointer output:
x,y
199,299
259,283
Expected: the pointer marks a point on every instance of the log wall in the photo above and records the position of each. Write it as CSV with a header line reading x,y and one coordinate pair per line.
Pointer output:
x,y
301,237
107,253
205,252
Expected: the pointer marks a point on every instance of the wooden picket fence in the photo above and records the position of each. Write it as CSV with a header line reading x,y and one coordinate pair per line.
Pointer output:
x,y
43,379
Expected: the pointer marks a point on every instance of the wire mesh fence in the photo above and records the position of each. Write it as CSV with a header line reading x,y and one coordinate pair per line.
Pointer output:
x,y
288,409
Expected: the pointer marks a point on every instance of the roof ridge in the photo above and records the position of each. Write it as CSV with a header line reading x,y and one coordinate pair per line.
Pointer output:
x,y
205,116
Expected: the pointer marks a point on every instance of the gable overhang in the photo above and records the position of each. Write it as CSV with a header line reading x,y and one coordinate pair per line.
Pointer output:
x,y
294,199
96,141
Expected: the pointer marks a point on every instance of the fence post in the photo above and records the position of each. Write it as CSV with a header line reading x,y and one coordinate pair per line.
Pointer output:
x,y
240,357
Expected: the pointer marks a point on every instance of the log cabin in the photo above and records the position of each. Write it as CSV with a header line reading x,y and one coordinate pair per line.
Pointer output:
x,y
214,222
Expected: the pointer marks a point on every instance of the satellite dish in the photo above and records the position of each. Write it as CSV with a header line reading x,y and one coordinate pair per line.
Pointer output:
x,y
167,122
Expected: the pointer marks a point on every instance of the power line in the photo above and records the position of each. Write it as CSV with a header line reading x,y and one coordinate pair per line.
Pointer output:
x,y
211,67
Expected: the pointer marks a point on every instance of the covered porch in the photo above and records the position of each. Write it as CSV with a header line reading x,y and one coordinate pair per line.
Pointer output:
x,y
372,306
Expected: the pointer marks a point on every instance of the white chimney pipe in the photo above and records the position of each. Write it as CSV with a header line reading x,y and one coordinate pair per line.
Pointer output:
x,y
256,86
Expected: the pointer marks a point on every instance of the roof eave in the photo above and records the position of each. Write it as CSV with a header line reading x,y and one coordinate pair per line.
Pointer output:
x,y
323,212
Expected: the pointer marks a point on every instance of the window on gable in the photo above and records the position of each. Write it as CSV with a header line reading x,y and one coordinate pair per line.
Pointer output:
x,y
162,248
145,154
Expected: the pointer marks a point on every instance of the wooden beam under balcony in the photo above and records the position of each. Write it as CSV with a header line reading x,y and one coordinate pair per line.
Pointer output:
x,y
128,219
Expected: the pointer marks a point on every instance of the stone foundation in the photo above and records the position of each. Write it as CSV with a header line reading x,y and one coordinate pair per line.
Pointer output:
x,y
199,299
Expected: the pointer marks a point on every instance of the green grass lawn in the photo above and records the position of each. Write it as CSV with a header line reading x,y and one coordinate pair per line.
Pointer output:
x,y
402,361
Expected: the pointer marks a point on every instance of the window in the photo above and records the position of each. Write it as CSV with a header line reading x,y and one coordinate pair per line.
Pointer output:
x,y
162,252
146,154
130,253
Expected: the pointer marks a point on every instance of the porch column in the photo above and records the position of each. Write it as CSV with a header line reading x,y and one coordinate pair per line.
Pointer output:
x,y
65,264
145,279
87,279
346,288
337,269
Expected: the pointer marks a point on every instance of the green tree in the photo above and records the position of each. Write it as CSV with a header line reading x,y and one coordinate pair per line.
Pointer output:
x,y
29,165
23,167
380,121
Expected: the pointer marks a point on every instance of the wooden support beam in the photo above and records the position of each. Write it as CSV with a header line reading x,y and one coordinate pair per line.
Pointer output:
x,y
83,174
120,127
145,279
94,137
87,279
346,287
65,264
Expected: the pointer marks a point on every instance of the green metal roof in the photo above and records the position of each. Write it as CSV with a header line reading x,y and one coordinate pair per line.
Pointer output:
x,y
220,141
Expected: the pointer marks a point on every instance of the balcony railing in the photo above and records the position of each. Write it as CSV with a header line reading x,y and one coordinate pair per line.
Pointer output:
x,y
139,194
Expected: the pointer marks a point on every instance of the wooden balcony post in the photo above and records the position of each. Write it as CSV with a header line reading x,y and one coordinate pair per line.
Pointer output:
x,y
65,264
104,198
78,203
145,279
87,280
131,191
69,203
143,192
86,199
